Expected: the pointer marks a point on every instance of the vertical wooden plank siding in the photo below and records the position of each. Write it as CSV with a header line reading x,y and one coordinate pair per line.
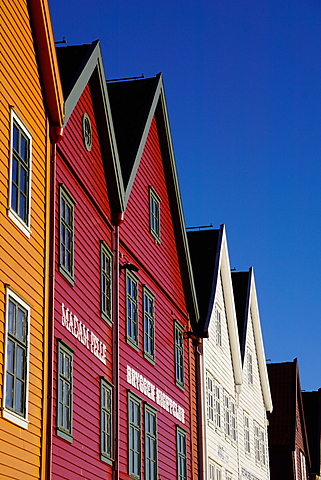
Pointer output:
x,y
82,174
23,260
159,271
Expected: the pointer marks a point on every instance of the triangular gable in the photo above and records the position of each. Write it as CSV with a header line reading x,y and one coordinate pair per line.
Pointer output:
x,y
244,284
286,390
220,268
150,102
79,65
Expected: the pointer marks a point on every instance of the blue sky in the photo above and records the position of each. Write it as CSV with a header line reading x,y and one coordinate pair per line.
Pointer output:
x,y
243,88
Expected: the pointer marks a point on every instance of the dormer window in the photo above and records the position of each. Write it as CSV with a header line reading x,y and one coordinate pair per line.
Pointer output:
x,y
154,214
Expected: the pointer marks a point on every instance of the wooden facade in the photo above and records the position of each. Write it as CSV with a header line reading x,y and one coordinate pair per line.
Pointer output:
x,y
31,105
288,439
232,418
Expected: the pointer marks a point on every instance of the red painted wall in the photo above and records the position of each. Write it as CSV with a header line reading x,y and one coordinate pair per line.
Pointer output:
x,y
160,272
82,173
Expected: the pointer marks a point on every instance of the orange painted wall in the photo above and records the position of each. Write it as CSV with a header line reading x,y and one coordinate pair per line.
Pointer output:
x,y
23,265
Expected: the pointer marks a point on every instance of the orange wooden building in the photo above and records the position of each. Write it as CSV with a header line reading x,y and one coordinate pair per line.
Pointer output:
x,y
31,115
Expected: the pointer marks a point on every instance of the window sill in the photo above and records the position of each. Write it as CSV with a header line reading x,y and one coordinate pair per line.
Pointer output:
x,y
106,318
131,342
149,358
106,459
67,275
66,436
19,222
15,418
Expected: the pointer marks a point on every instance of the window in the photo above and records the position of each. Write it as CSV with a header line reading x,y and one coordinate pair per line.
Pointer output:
x,y
16,360
179,355
106,408
217,394
303,467
131,309
154,214
250,367
218,328
20,174
66,234
105,283
181,454
247,433
148,303
215,471
230,417
150,444
210,398
134,436
86,132
259,444
64,392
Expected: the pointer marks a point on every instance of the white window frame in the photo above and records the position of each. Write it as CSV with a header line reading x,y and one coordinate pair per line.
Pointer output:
x,y
218,405
21,421
259,445
218,324
210,398
250,367
12,214
215,471
303,466
229,416
247,437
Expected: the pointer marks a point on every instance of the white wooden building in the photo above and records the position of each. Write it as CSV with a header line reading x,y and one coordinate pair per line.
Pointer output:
x,y
234,389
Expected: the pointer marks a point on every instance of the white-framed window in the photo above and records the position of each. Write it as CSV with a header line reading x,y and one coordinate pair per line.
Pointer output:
x,y
217,397
230,416
259,444
20,174
16,361
210,397
247,444
228,475
154,214
218,327
250,367
303,467
66,234
215,471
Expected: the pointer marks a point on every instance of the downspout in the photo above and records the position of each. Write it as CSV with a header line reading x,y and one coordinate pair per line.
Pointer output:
x,y
199,393
55,135
118,220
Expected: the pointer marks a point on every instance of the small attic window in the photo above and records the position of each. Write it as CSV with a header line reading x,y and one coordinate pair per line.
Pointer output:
x,y
87,132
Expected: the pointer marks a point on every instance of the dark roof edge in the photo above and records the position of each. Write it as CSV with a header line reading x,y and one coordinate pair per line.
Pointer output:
x,y
94,60
215,279
150,111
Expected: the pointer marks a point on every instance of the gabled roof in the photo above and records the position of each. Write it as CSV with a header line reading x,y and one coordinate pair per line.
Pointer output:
x,y
133,106
127,119
286,391
130,104
48,66
79,65
312,413
246,304
210,261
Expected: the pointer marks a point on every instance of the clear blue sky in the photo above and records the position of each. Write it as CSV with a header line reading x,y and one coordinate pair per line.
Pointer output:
x,y
243,87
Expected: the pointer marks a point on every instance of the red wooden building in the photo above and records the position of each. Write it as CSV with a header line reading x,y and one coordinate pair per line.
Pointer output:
x,y
288,440
123,363
157,412
86,191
